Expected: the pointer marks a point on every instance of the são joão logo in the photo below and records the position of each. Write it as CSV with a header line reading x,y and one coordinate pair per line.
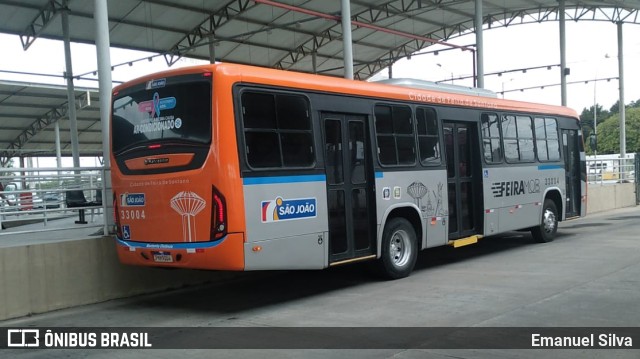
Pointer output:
x,y
281,209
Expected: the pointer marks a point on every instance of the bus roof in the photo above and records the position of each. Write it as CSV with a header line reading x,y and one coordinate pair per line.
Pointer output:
x,y
291,79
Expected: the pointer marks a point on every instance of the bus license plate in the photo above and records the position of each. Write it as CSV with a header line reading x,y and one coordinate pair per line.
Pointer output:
x,y
162,257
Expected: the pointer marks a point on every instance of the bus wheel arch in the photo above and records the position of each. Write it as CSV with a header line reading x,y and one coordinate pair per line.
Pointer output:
x,y
555,196
546,230
400,243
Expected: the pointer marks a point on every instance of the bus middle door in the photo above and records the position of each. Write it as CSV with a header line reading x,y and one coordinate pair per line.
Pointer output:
x,y
350,184
463,180
571,148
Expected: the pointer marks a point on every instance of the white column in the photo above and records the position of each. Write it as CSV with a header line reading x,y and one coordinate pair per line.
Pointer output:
x,y
623,145
58,147
479,45
71,99
563,55
101,18
212,49
314,62
346,39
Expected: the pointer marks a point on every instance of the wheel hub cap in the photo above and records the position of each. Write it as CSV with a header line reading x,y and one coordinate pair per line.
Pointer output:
x,y
400,249
549,221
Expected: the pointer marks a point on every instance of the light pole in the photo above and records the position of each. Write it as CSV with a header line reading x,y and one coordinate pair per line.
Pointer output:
x,y
503,82
440,66
595,111
595,118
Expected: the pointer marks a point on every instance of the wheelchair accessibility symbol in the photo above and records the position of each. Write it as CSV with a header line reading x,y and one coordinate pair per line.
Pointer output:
x,y
126,232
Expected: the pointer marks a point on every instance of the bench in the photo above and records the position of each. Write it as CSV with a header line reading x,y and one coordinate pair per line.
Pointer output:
x,y
75,199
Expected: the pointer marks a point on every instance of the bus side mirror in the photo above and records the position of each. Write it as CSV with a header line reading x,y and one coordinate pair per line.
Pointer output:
x,y
593,142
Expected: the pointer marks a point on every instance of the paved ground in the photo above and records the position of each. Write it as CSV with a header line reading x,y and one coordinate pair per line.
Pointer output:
x,y
588,277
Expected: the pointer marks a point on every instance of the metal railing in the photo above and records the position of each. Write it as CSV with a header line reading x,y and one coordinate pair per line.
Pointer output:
x,y
608,170
637,169
41,195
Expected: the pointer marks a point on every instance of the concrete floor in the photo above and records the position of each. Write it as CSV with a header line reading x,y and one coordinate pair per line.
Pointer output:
x,y
588,277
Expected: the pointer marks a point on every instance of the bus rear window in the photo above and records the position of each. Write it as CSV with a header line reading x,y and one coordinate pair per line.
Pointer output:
x,y
176,109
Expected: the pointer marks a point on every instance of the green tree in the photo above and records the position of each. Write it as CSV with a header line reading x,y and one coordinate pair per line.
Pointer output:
x,y
609,132
586,122
615,108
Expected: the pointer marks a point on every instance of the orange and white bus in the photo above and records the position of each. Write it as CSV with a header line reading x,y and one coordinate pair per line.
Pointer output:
x,y
233,167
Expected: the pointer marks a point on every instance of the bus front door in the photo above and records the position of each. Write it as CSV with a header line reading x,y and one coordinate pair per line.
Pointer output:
x,y
463,181
571,148
350,183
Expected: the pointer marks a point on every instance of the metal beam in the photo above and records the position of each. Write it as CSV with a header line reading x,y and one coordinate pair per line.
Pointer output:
x,y
413,37
200,34
38,125
40,23
309,46
52,116
49,142
21,128
626,14
30,117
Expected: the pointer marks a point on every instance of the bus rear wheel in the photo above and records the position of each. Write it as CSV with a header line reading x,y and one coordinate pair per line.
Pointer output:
x,y
546,231
399,249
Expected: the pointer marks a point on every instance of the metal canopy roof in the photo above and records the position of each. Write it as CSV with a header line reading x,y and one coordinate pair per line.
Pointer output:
x,y
28,112
281,34
251,32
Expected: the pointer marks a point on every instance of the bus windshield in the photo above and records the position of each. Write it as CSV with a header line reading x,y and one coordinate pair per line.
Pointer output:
x,y
174,109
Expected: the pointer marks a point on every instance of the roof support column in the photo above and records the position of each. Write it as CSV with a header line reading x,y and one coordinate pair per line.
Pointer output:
x,y
479,45
23,176
212,48
346,39
71,99
314,61
101,19
563,55
623,138
58,148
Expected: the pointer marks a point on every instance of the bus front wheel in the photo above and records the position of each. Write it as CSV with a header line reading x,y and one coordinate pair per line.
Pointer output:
x,y
399,249
546,231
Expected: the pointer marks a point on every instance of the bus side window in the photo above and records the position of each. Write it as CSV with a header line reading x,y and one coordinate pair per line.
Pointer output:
x,y
517,135
294,126
277,130
428,138
547,145
261,140
395,135
491,138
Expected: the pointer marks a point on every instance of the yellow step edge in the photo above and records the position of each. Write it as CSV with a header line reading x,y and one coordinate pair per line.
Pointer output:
x,y
346,261
465,241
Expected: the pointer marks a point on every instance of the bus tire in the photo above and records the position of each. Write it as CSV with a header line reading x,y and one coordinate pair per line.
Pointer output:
x,y
546,231
399,249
